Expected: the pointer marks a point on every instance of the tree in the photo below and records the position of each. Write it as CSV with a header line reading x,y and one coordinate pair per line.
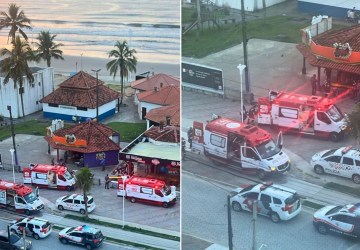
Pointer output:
x,y
15,66
354,122
15,20
47,48
84,179
125,62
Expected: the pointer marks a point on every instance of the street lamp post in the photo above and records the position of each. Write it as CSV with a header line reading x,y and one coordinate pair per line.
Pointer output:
x,y
81,61
124,177
241,68
97,93
13,134
12,162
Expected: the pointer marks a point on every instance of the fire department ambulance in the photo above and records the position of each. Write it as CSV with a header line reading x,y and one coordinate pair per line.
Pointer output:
x,y
19,198
312,115
148,191
229,141
56,177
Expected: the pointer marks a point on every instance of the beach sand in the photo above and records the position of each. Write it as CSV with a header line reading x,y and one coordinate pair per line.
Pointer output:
x,y
64,68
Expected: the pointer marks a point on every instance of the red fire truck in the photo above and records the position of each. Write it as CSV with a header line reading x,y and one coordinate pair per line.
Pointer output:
x,y
147,190
312,115
232,142
49,176
19,198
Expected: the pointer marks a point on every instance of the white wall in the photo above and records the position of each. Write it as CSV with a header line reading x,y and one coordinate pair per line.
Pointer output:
x,y
250,5
347,4
148,106
42,86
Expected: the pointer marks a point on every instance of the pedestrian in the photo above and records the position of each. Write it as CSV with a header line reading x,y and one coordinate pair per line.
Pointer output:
x,y
107,181
189,134
313,84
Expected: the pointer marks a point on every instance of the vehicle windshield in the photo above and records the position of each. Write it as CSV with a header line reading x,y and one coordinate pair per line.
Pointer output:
x,y
30,198
14,238
268,149
292,199
166,190
330,152
68,176
335,114
334,210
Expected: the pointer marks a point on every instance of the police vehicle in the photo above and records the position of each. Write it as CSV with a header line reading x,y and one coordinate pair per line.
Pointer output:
x,y
343,220
35,227
82,235
75,202
344,161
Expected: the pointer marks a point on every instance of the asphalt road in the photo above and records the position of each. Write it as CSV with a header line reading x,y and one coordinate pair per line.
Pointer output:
x,y
205,217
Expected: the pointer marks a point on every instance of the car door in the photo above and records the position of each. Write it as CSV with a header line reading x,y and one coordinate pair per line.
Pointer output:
x,y
20,227
78,205
19,203
249,158
4,242
342,224
68,204
322,122
76,237
248,200
332,164
264,204
347,167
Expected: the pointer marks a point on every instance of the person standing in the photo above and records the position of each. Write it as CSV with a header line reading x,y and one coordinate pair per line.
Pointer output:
x,y
107,181
313,84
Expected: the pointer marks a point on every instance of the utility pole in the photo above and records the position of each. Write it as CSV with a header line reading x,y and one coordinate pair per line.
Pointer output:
x,y
254,224
198,19
230,233
13,135
97,93
243,21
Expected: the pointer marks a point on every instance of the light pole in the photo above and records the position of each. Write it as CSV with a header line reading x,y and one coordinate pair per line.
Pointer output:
x,y
124,177
97,93
241,68
13,134
81,61
12,161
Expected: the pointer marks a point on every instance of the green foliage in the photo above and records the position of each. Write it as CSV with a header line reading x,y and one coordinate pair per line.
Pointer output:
x,y
29,127
188,15
84,180
47,48
354,122
342,188
128,131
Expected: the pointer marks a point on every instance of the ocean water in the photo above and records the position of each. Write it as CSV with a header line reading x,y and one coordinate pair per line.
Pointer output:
x,y
90,28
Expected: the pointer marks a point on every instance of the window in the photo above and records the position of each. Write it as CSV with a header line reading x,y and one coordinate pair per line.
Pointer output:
x,y
265,198
53,105
288,113
250,153
217,141
251,195
68,201
77,202
76,234
264,109
158,192
357,163
323,117
343,218
19,200
60,177
334,158
277,201
81,108
146,190
348,161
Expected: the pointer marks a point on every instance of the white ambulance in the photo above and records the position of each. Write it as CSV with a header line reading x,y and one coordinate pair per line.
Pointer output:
x,y
49,176
148,191
312,115
232,142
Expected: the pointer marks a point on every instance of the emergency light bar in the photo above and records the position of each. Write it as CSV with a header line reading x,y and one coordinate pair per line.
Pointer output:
x,y
347,149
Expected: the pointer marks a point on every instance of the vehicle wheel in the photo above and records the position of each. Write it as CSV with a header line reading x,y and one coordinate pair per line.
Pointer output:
x,y
60,207
236,206
68,188
274,217
322,229
319,169
88,247
165,205
64,241
27,212
335,137
356,178
82,211
133,200
261,174
36,236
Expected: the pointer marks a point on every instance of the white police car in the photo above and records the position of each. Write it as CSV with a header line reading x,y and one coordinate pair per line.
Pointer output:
x,y
35,227
75,202
343,220
82,235
344,161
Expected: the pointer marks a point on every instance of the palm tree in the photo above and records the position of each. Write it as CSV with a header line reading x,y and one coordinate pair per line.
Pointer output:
x,y
84,179
47,48
15,20
15,66
125,62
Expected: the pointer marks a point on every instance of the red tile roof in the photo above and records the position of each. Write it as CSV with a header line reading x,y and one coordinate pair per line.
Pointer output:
x,y
159,114
159,80
168,134
96,134
80,91
164,96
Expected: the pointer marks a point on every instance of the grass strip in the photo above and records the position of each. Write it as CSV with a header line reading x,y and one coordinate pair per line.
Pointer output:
x,y
342,188
124,242
311,204
126,228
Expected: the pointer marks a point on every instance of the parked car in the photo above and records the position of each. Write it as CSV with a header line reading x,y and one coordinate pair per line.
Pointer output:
x,y
343,220
12,241
75,202
82,235
34,227
277,202
344,161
